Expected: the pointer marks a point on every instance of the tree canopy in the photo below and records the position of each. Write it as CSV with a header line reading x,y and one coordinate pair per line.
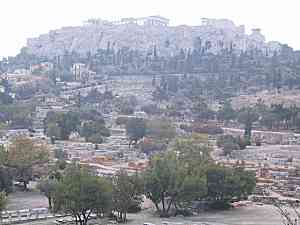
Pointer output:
x,y
185,173
23,155
81,194
127,193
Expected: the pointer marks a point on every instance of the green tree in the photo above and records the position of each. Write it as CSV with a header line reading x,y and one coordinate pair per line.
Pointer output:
x,y
6,178
23,155
94,131
95,138
228,143
136,129
248,116
126,105
201,110
176,178
226,112
5,99
80,194
3,203
53,131
158,179
61,125
224,184
160,129
6,181
47,187
17,115
127,192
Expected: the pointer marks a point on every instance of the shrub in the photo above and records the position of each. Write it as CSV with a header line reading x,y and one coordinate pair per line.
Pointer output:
x,y
229,143
95,139
229,147
221,140
220,205
242,142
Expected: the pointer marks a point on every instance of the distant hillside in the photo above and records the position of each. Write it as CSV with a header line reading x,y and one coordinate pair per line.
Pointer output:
x,y
145,34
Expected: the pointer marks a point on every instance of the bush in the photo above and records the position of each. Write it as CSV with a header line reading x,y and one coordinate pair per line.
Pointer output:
x,y
230,143
242,142
229,147
183,212
150,146
220,205
223,139
237,143
95,139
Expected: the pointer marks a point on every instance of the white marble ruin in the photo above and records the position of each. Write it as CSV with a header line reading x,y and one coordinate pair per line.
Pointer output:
x,y
143,33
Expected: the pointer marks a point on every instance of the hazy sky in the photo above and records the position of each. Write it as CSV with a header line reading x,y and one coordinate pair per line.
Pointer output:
x,y
20,19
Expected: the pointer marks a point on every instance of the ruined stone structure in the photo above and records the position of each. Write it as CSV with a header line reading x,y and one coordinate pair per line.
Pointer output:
x,y
144,33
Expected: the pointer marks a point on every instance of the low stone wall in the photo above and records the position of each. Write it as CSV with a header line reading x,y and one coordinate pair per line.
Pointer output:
x,y
26,215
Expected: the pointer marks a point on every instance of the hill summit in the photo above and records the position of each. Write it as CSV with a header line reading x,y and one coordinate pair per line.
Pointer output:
x,y
144,34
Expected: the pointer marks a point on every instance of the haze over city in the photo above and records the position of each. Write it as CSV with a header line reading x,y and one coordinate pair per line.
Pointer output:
x,y
20,20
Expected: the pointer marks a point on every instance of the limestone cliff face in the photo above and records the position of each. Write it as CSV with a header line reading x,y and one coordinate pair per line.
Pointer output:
x,y
213,35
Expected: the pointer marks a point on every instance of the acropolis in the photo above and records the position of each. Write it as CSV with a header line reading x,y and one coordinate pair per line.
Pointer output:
x,y
143,33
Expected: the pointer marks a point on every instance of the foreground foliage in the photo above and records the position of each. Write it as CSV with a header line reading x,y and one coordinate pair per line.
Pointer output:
x,y
185,174
23,156
82,194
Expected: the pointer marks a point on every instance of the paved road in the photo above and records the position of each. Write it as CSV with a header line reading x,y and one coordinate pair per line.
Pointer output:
x,y
250,215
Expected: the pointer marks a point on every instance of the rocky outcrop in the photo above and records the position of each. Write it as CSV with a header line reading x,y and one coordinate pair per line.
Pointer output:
x,y
213,35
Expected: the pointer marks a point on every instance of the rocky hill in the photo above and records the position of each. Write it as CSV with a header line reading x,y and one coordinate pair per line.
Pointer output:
x,y
145,34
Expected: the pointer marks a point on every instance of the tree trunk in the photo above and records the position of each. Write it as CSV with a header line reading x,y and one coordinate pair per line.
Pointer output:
x,y
76,220
163,202
169,206
81,221
176,209
125,217
85,221
50,203
25,185
157,207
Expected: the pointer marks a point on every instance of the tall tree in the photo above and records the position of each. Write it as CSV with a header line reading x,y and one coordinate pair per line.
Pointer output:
x,y
175,178
127,192
224,184
3,203
80,194
226,112
160,129
135,129
47,187
23,155
248,116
